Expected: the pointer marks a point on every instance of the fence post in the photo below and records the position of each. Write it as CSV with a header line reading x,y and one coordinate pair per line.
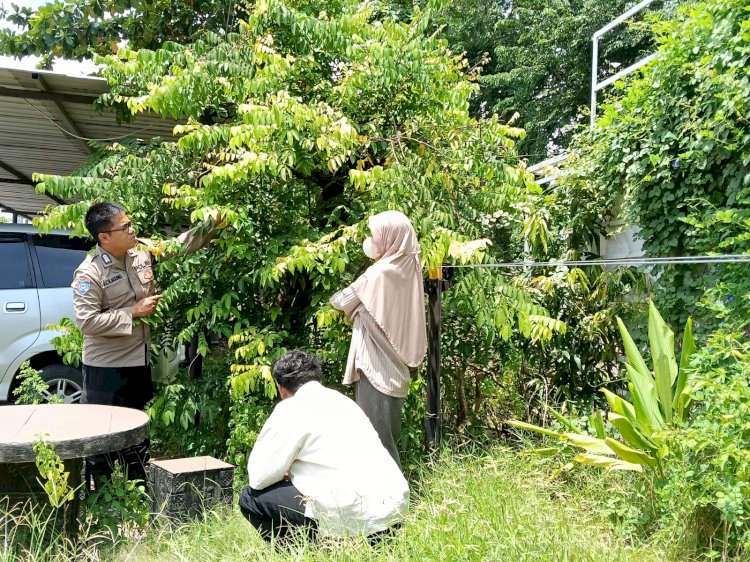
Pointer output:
x,y
434,287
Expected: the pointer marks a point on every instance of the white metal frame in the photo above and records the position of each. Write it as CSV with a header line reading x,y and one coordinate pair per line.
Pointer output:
x,y
595,85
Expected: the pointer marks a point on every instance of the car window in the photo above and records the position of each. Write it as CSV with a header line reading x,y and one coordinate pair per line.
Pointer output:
x,y
13,256
59,256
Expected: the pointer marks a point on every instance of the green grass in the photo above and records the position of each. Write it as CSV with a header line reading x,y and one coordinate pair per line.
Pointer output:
x,y
496,507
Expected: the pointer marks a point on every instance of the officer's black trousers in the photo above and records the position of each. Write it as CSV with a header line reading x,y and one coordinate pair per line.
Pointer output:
x,y
275,510
129,387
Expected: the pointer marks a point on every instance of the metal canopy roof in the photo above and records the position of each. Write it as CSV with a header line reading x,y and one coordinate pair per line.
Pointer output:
x,y
41,115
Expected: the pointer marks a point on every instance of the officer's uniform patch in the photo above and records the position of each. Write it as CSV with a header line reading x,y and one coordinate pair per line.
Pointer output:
x,y
106,259
148,274
83,286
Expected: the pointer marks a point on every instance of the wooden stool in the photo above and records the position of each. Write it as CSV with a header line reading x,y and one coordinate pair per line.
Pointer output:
x,y
188,487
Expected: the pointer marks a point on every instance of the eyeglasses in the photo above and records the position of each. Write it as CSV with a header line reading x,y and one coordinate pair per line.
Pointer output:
x,y
124,228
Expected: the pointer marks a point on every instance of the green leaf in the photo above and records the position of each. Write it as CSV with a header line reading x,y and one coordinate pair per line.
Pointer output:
x,y
631,350
644,398
591,444
661,338
664,387
598,423
629,454
562,419
607,462
688,345
535,428
630,433
542,451
688,348
619,405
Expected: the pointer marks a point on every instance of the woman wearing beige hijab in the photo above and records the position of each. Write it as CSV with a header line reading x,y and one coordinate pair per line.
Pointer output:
x,y
386,308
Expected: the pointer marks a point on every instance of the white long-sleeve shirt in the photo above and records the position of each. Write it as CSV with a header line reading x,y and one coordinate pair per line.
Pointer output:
x,y
370,352
334,457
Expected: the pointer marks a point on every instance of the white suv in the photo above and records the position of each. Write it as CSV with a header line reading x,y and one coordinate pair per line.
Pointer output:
x,y
35,292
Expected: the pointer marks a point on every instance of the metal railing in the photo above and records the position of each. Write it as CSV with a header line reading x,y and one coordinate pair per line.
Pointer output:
x,y
596,86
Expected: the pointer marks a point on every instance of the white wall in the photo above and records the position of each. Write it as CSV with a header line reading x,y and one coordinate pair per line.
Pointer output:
x,y
624,244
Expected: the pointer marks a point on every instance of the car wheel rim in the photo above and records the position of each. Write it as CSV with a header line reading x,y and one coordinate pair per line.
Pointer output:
x,y
66,389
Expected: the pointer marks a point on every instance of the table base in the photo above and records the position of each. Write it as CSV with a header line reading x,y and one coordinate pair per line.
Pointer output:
x,y
20,489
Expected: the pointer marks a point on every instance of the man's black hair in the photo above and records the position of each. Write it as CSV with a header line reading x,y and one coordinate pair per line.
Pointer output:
x,y
295,368
99,217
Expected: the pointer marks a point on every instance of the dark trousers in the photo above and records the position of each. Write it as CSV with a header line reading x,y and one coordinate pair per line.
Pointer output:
x,y
129,387
275,510
383,411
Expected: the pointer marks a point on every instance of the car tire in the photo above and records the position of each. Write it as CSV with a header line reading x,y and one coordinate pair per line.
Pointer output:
x,y
63,381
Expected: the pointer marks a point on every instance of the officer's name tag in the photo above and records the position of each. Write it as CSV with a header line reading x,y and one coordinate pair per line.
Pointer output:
x,y
112,280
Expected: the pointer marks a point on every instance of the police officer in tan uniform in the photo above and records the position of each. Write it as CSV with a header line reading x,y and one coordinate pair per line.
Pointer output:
x,y
112,288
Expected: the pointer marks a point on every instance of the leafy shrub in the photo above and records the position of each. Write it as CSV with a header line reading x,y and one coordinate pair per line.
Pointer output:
x,y
725,229
412,439
32,389
118,506
706,495
191,417
659,400
576,363
54,478
69,344
248,414
673,140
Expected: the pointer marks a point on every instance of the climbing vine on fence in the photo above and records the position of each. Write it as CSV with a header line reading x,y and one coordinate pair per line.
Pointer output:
x,y
674,141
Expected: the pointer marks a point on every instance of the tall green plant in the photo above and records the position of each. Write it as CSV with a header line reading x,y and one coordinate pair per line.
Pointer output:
x,y
658,400
706,496
53,477
69,344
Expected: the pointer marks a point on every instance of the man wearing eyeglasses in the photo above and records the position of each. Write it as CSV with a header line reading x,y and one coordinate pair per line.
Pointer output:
x,y
111,289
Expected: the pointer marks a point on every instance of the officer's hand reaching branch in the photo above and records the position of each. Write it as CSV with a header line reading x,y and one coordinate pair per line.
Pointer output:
x,y
145,307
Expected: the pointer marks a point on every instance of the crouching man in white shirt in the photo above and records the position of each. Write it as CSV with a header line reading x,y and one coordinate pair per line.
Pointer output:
x,y
318,462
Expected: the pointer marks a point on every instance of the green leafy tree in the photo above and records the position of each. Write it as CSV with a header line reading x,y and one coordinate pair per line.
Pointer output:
x,y
81,29
540,59
77,29
295,129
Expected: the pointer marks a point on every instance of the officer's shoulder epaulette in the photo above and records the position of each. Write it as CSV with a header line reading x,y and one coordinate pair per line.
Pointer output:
x,y
92,262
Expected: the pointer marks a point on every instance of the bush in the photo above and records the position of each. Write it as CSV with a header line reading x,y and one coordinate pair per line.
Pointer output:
x,y
706,496
32,388
120,506
191,418
248,414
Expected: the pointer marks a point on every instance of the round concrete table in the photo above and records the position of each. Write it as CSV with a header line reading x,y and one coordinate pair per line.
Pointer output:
x,y
75,430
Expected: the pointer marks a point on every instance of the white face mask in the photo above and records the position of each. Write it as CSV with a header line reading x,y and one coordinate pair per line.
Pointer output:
x,y
371,251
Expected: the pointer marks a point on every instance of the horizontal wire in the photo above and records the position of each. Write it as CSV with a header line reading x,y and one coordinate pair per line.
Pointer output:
x,y
629,262
87,139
